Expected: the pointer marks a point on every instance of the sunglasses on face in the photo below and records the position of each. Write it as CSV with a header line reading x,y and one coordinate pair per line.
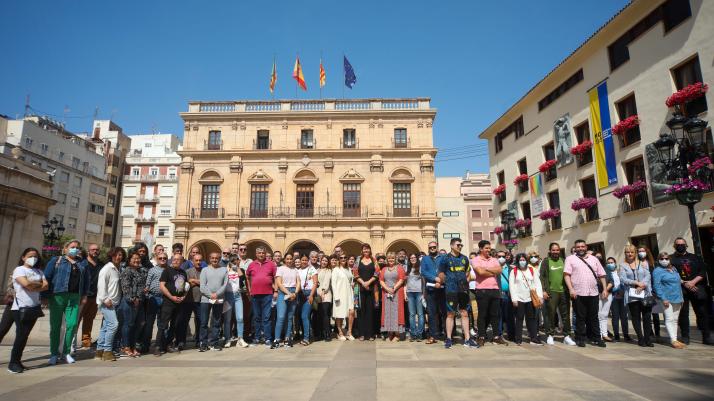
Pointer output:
x,y
459,245
432,247
664,258
226,253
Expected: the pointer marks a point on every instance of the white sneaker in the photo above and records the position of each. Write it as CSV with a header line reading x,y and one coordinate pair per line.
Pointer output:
x,y
341,338
53,360
69,358
227,345
350,337
549,341
568,341
242,343
473,332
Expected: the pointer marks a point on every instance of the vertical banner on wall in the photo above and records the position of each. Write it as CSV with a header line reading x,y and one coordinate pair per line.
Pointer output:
x,y
602,136
535,185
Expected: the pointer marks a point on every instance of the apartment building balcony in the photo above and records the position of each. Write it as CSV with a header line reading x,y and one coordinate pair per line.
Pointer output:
x,y
147,199
329,212
145,219
151,178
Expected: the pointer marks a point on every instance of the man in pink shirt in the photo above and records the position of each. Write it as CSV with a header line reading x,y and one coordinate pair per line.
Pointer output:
x,y
488,293
582,274
261,286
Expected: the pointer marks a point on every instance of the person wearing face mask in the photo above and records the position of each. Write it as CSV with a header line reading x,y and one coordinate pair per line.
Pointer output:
x,y
522,280
617,306
508,319
69,282
582,273
435,295
28,282
692,272
612,281
666,284
555,293
635,277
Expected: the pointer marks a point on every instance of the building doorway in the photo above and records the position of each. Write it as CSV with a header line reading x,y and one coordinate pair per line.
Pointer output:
x,y
304,247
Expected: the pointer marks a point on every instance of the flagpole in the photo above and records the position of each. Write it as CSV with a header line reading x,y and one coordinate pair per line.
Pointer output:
x,y
272,92
344,72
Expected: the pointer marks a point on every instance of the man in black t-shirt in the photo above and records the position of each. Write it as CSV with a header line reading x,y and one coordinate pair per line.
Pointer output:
x,y
693,273
173,286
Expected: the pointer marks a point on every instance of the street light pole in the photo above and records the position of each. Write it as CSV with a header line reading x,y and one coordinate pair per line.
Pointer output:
x,y
52,231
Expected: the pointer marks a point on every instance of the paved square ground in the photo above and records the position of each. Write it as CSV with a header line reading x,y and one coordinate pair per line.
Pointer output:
x,y
370,371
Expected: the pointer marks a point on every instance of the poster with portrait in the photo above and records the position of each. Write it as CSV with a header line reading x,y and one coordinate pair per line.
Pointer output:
x,y
563,140
658,175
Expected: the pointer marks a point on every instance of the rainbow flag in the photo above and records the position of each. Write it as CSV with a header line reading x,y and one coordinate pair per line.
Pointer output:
x,y
605,167
297,74
535,185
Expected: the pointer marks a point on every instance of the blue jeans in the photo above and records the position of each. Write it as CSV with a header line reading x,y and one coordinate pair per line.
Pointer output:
x,y
436,308
285,314
214,311
416,309
305,312
236,302
110,325
132,319
507,316
261,316
153,308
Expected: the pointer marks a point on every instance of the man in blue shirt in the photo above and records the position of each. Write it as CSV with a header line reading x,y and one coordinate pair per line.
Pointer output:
x,y
453,270
435,297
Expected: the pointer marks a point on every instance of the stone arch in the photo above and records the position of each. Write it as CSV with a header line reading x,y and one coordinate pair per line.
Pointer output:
x,y
401,174
206,246
304,246
351,247
408,245
210,176
305,176
255,243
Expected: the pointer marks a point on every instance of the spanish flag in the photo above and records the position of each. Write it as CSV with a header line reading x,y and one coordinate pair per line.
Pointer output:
x,y
297,74
273,78
322,75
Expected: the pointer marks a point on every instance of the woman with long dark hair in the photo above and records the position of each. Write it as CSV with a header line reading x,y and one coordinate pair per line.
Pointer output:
x,y
133,282
28,281
414,290
343,300
366,277
109,300
324,295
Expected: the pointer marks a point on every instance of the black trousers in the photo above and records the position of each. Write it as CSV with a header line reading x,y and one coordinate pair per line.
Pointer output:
x,y
22,332
6,321
365,314
187,308
641,317
587,325
701,311
325,313
489,311
169,323
527,311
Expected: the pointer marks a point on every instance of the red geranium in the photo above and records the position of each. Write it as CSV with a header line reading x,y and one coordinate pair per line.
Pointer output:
x,y
499,189
626,125
520,178
498,230
687,94
582,148
549,164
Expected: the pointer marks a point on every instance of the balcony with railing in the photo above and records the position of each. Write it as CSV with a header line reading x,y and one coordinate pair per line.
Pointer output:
x,y
327,212
635,201
210,145
150,178
145,219
262,144
214,213
147,199
323,105
402,144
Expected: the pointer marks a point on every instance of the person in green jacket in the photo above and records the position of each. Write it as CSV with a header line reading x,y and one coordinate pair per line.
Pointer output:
x,y
555,294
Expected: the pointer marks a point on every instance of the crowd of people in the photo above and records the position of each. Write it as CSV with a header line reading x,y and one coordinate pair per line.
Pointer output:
x,y
147,299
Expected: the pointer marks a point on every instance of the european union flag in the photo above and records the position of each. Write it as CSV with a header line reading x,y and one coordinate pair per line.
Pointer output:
x,y
350,77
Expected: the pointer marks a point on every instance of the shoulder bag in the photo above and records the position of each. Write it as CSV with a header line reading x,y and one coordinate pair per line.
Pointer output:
x,y
597,280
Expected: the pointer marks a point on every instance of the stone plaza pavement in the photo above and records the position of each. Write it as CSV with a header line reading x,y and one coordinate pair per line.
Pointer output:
x,y
369,371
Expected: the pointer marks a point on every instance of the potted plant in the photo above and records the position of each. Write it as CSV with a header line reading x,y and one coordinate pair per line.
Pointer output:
x,y
581,149
583,203
548,168
685,95
549,214
521,182
499,189
637,187
688,191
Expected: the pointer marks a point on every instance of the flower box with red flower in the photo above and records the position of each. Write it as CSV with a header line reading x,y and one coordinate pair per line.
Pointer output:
x,y
510,243
687,94
523,223
582,148
625,125
498,230
499,189
550,214
521,178
547,165
583,203
688,191
702,162
621,192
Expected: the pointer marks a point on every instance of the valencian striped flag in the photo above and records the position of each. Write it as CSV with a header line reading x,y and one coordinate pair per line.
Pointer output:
x,y
297,74
273,78
322,75
605,166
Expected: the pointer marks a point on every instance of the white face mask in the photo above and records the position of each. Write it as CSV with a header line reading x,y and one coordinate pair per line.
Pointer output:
x,y
502,261
31,261
642,255
523,264
534,260
664,262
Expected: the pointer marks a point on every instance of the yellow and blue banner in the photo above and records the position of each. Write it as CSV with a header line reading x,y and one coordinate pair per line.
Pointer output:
x,y
605,166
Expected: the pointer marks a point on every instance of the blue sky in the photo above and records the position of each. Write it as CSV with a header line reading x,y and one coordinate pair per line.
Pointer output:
x,y
141,61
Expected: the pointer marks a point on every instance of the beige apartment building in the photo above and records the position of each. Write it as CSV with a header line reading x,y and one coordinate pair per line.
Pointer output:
x,y
478,203
647,51
308,174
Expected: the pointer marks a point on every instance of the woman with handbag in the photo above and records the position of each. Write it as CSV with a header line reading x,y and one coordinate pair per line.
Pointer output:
x,y
28,282
527,297
324,295
636,280
612,281
666,283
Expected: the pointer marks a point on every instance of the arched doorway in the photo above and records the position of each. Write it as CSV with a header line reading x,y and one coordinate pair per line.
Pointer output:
x,y
405,244
351,247
302,246
253,244
206,246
